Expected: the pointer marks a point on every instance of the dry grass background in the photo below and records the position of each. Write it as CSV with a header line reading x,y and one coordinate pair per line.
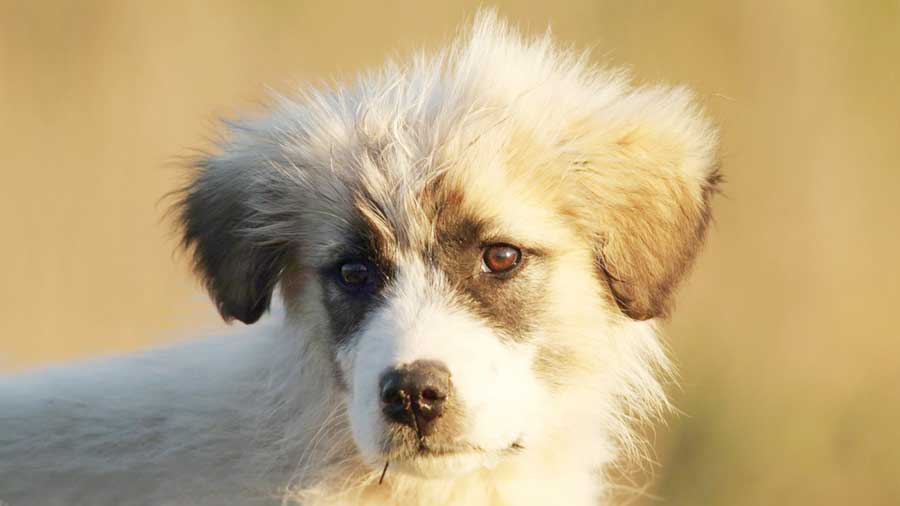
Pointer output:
x,y
786,334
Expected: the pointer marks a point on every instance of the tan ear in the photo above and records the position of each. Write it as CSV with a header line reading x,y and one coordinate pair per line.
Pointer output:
x,y
646,170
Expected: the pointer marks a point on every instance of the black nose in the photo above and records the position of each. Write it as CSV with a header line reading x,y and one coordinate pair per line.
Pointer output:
x,y
415,394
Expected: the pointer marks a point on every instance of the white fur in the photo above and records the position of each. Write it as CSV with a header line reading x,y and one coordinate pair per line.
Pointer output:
x,y
494,380
89,433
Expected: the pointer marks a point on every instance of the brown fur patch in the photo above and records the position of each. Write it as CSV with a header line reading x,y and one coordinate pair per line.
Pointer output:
x,y
649,248
511,303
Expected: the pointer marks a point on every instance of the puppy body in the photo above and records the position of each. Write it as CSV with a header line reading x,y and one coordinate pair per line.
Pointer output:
x,y
374,211
244,419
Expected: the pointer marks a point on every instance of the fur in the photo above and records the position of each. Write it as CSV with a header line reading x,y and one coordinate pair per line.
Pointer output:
x,y
602,186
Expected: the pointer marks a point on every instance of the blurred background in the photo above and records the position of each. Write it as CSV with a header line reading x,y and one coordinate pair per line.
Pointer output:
x,y
786,334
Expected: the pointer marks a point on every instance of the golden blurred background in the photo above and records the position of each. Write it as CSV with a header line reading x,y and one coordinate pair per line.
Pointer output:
x,y
786,335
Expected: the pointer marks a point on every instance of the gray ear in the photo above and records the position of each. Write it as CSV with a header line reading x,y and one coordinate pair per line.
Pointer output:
x,y
220,226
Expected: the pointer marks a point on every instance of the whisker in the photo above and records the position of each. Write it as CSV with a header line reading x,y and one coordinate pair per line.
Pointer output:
x,y
383,472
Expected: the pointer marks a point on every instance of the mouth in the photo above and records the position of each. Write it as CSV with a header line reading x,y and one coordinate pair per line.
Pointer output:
x,y
443,461
425,449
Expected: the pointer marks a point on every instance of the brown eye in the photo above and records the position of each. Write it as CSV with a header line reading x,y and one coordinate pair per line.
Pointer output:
x,y
500,258
354,274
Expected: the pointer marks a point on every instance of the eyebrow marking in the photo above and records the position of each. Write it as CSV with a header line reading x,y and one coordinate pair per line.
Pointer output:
x,y
381,234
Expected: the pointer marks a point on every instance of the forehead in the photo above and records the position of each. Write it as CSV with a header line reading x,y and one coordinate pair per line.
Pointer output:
x,y
500,184
486,204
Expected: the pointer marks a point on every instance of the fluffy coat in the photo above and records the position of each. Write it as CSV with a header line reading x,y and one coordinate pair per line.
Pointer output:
x,y
500,139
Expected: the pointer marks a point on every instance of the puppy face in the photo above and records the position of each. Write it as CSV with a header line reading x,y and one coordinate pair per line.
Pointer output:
x,y
462,312
475,240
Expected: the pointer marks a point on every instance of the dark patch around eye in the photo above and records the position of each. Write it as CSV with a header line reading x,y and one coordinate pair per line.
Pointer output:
x,y
512,301
348,304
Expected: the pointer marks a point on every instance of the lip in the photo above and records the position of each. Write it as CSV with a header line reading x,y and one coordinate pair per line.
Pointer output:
x,y
425,451
443,462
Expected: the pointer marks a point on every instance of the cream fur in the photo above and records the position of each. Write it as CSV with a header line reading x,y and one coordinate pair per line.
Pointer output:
x,y
547,149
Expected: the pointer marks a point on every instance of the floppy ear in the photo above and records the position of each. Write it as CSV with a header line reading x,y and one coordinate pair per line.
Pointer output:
x,y
224,226
647,168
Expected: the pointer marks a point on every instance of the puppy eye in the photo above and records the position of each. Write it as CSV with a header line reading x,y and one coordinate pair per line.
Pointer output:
x,y
355,274
500,258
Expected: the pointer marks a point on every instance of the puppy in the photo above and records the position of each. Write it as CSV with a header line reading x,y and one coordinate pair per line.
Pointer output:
x,y
467,254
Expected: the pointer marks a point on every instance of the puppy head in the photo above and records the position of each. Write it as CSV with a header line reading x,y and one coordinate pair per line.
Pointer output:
x,y
476,238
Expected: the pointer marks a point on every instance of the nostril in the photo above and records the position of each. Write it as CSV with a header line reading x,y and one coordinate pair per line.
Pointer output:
x,y
392,392
392,396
